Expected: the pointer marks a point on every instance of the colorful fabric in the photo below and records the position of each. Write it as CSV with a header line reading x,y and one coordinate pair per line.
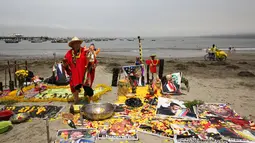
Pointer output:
x,y
61,77
5,93
55,93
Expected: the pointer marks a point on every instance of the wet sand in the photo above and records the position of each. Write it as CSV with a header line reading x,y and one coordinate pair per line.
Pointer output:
x,y
209,81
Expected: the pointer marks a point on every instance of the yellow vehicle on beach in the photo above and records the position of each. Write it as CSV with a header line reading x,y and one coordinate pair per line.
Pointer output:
x,y
219,55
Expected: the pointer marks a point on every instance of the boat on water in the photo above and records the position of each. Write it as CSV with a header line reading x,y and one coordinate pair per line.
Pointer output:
x,y
37,41
59,41
130,39
87,40
11,41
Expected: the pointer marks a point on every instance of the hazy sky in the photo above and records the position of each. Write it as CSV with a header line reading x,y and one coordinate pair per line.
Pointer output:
x,y
126,17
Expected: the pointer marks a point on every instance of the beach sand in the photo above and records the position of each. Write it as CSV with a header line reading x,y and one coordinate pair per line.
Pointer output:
x,y
209,81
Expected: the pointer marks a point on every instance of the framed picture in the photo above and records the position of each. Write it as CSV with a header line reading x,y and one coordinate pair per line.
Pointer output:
x,y
135,74
173,108
172,86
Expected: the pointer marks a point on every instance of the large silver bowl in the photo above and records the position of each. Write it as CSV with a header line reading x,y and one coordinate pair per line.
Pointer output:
x,y
98,111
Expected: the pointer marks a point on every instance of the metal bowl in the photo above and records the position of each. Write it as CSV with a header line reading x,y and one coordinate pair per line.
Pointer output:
x,y
19,118
98,111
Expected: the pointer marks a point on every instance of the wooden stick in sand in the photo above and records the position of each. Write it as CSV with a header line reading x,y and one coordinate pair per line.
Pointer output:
x,y
47,129
9,70
147,74
141,55
140,49
14,71
26,70
5,77
115,74
11,83
161,68
81,117
1,86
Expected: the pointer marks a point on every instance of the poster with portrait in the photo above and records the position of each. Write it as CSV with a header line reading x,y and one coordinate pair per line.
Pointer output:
x,y
135,74
174,108
172,86
217,110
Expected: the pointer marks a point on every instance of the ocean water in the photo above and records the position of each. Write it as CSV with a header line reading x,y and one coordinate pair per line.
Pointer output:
x,y
162,47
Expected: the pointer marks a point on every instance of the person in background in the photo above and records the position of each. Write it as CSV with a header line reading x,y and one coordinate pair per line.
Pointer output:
x,y
213,50
75,63
138,61
91,70
153,63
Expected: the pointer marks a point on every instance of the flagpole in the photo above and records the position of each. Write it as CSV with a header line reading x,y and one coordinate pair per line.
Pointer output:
x,y
140,49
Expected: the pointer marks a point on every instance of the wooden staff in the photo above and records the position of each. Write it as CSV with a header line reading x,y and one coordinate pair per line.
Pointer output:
x,y
5,77
140,49
9,70
55,64
81,116
147,74
141,55
11,83
18,66
26,70
47,129
161,68
14,71
115,74
1,86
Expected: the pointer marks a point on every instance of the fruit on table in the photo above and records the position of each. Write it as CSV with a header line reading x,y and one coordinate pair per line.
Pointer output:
x,y
11,108
40,110
31,109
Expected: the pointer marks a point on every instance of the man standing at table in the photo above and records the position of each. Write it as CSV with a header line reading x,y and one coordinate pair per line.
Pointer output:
x,y
75,63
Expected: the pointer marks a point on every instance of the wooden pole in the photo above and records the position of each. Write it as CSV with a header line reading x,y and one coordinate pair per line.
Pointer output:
x,y
81,117
1,86
9,70
5,77
17,66
148,74
47,129
161,68
11,83
115,74
26,70
15,69
140,49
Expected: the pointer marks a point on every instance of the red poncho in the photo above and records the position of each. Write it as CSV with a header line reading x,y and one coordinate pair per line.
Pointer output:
x,y
76,70
153,65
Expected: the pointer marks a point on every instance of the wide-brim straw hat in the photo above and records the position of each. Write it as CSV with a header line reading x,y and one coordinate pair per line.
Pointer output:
x,y
74,39
153,55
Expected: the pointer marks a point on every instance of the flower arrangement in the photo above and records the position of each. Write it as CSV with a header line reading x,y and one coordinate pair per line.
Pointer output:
x,y
21,73
21,76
